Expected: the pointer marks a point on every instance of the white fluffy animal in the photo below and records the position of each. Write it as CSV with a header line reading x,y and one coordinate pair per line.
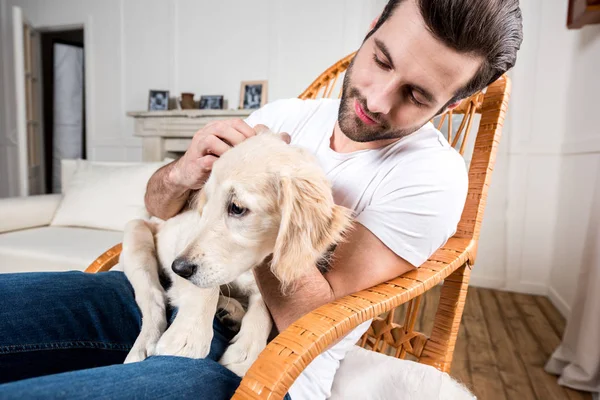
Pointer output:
x,y
263,198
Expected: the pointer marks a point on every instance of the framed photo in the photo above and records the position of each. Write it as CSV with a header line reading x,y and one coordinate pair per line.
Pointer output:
x,y
158,100
253,94
211,102
583,12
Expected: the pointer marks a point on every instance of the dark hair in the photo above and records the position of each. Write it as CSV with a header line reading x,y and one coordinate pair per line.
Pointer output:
x,y
491,29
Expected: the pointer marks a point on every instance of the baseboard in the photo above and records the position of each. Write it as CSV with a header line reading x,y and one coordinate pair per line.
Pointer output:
x,y
563,307
486,282
528,288
587,144
501,284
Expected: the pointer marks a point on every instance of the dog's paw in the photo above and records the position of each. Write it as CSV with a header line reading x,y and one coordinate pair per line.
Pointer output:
x,y
185,339
144,345
241,353
230,312
136,354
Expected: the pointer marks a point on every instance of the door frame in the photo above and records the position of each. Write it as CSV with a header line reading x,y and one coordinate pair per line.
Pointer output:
x,y
21,113
48,97
20,106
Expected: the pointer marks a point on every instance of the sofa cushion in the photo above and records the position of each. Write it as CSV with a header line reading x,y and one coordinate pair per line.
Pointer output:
x,y
104,195
364,374
69,166
25,212
53,248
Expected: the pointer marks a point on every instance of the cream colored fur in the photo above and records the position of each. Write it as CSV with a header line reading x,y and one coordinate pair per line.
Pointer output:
x,y
263,198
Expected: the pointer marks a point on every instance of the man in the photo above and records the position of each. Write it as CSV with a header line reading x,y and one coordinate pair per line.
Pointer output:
x,y
385,161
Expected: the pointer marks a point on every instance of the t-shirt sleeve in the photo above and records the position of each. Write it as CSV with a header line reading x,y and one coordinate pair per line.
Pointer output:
x,y
416,209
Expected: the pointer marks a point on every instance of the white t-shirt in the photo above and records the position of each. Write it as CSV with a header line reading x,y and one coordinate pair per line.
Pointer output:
x,y
410,194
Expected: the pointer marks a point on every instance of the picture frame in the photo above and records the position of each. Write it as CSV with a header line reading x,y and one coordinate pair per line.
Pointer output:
x,y
211,102
253,94
158,100
583,12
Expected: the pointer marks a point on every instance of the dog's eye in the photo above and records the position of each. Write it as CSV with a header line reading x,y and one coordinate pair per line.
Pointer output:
x,y
236,211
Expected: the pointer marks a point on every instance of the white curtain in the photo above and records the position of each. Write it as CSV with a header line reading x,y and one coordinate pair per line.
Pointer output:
x,y
577,359
68,107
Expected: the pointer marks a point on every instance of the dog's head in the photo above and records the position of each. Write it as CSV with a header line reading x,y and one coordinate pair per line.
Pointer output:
x,y
263,198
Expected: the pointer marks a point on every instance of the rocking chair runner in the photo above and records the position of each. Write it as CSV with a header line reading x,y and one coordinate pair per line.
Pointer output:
x,y
286,356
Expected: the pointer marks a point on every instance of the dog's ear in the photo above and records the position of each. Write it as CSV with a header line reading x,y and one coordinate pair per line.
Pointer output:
x,y
310,224
198,200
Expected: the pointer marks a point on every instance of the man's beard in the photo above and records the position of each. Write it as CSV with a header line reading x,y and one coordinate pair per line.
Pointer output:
x,y
354,128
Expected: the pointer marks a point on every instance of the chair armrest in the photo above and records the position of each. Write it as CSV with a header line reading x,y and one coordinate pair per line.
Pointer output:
x,y
286,356
106,261
27,212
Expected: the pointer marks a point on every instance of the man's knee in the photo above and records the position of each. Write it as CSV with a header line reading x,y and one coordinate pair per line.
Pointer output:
x,y
201,375
18,281
33,286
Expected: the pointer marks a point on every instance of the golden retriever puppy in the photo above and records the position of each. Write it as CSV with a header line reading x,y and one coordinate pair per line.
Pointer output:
x,y
264,200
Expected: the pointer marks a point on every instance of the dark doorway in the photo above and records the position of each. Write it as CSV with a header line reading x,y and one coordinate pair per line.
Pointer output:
x,y
63,87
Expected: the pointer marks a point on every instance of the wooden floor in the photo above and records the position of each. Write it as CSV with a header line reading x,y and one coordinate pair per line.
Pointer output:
x,y
504,341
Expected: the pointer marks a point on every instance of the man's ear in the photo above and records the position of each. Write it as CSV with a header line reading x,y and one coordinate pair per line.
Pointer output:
x,y
374,22
449,107
452,106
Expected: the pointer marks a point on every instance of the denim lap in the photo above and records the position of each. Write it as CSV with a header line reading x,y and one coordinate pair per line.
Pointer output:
x,y
154,378
51,323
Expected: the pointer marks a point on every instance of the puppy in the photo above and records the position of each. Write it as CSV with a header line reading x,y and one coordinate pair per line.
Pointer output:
x,y
265,200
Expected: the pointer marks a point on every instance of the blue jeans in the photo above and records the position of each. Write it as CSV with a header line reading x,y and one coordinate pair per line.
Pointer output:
x,y
66,335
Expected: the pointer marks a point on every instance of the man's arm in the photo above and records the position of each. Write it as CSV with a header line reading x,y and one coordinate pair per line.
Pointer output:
x,y
360,262
165,197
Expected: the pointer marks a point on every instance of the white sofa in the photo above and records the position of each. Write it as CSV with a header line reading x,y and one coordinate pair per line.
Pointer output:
x,y
68,231
28,243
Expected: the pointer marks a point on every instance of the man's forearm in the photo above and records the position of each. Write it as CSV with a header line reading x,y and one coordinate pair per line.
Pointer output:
x,y
310,293
164,198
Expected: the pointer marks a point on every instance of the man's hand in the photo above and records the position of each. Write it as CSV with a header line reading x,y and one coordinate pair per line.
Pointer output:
x,y
192,170
169,188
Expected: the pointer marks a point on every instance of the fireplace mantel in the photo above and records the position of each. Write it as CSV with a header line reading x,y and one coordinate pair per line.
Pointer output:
x,y
169,133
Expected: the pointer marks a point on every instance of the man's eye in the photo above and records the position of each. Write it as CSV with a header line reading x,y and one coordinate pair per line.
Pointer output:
x,y
236,211
414,100
382,64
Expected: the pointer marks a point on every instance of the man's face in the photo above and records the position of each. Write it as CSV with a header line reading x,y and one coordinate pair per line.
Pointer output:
x,y
400,78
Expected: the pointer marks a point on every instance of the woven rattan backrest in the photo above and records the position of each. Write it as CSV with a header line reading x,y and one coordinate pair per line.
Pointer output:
x,y
491,105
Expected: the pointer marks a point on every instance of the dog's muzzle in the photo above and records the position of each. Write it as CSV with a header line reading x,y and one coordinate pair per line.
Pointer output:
x,y
183,267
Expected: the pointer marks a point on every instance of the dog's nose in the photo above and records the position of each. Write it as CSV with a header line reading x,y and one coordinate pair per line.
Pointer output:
x,y
183,267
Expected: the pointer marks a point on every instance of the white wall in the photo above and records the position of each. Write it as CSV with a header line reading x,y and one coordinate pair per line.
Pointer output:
x,y
552,138
202,46
531,150
579,195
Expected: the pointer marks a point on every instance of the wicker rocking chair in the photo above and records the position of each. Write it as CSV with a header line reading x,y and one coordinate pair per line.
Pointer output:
x,y
286,356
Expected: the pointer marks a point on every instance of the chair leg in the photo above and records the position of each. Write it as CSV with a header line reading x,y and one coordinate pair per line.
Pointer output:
x,y
439,348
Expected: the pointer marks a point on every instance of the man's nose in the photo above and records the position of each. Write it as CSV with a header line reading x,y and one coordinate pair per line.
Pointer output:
x,y
184,267
381,98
